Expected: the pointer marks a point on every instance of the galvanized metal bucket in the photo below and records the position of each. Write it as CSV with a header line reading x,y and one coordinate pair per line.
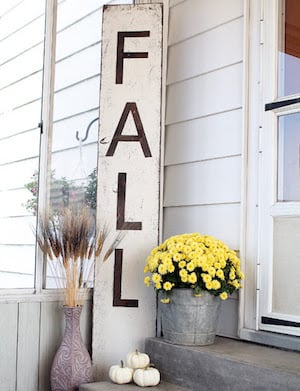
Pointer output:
x,y
189,320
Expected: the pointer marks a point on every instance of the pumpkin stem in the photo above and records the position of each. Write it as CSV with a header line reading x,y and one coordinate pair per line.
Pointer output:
x,y
122,364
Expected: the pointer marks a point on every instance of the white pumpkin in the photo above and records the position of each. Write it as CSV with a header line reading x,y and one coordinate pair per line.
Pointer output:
x,y
137,360
146,377
120,374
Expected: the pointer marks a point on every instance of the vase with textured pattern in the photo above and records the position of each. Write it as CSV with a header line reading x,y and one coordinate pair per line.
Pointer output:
x,y
72,365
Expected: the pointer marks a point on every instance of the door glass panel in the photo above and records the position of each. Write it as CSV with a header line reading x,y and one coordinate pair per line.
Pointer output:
x,y
289,157
289,48
286,271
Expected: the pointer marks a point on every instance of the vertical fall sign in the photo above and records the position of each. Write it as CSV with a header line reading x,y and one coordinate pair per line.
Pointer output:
x,y
129,172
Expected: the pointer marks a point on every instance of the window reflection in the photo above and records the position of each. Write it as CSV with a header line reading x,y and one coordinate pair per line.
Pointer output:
x,y
289,48
289,157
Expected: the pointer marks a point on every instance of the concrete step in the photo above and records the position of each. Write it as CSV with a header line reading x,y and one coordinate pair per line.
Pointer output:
x,y
108,386
227,365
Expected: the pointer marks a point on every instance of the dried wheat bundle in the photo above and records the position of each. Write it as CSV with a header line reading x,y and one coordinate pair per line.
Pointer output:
x,y
72,243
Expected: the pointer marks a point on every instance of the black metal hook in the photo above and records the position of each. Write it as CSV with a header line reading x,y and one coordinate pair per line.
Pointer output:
x,y
87,130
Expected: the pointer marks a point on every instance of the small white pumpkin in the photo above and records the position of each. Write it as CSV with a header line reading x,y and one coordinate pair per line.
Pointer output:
x,y
146,377
120,374
137,360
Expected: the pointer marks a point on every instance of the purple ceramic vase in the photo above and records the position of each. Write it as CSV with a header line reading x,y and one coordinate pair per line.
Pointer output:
x,y
72,365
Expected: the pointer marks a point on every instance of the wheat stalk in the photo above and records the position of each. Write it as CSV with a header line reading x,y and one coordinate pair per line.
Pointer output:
x,y
72,244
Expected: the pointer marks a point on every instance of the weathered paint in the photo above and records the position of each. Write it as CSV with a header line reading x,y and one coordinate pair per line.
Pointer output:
x,y
129,172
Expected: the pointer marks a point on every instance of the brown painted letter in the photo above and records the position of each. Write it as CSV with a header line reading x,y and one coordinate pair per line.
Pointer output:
x,y
130,107
121,223
121,54
117,300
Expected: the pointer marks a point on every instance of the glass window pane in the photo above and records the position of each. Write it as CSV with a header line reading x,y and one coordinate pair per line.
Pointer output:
x,y
76,106
286,271
289,157
289,48
21,65
76,103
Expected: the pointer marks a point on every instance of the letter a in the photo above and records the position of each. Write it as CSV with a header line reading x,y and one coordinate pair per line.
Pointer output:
x,y
141,137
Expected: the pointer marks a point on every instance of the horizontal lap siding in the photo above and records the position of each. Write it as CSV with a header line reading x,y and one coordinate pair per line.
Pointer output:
x,y
213,181
220,220
192,17
204,95
202,175
204,138
204,100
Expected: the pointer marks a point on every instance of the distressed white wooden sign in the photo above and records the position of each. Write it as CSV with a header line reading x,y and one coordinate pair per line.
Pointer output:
x,y
129,177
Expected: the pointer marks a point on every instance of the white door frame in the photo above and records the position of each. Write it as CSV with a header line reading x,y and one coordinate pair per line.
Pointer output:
x,y
259,66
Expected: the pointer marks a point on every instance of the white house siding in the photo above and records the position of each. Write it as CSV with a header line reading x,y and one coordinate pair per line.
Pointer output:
x,y
203,142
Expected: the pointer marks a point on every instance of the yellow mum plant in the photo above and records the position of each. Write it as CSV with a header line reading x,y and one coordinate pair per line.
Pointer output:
x,y
195,261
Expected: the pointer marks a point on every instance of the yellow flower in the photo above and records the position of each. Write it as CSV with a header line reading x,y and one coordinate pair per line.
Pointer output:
x,y
152,263
182,264
183,275
177,257
167,286
223,295
220,274
154,251
223,263
147,281
211,271
165,301
167,257
187,249
192,278
179,246
206,277
208,240
190,266
172,250
216,284
191,255
162,269
235,283
156,278
217,265
171,268
210,259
